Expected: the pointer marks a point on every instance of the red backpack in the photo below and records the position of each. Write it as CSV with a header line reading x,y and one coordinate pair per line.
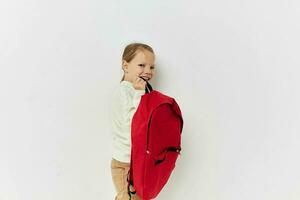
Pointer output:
x,y
155,143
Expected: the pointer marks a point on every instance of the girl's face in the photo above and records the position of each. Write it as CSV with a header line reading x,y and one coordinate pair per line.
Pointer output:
x,y
141,65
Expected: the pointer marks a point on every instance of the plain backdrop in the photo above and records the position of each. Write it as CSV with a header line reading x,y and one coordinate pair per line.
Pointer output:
x,y
232,66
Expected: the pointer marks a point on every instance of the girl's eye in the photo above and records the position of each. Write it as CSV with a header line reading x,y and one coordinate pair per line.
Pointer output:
x,y
142,65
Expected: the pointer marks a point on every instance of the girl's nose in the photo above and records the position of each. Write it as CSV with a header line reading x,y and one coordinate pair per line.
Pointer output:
x,y
147,70
148,73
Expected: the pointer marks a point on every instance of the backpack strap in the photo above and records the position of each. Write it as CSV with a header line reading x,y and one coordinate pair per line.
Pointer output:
x,y
130,180
148,87
130,184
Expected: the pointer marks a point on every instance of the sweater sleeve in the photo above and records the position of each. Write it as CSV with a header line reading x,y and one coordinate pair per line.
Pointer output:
x,y
130,105
137,97
124,104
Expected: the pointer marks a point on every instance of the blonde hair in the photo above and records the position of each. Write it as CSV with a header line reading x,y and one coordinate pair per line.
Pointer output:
x,y
132,49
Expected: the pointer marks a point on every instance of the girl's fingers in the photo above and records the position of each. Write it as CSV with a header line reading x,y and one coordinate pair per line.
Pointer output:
x,y
140,80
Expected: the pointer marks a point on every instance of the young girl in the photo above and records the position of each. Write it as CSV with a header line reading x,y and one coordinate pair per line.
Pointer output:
x,y
137,61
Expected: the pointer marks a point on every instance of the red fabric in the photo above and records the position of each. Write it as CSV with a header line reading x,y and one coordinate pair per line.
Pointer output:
x,y
156,126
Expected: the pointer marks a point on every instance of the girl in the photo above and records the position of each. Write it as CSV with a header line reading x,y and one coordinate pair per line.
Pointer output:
x,y
137,61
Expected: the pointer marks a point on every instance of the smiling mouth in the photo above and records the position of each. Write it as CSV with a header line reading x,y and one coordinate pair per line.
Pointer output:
x,y
146,78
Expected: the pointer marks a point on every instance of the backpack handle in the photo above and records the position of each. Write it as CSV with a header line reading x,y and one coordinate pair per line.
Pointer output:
x,y
148,87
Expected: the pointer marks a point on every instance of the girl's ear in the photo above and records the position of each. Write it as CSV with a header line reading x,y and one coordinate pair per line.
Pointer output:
x,y
124,65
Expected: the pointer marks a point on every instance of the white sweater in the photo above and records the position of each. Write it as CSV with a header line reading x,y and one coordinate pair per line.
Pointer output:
x,y
123,106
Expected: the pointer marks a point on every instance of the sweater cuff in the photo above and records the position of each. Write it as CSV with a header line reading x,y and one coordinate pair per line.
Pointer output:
x,y
137,97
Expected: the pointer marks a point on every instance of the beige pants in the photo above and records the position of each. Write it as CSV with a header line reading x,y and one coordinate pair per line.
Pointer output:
x,y
119,172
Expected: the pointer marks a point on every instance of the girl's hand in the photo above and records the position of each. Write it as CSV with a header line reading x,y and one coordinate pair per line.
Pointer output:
x,y
139,84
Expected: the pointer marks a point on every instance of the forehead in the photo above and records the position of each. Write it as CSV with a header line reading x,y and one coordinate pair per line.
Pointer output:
x,y
144,56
